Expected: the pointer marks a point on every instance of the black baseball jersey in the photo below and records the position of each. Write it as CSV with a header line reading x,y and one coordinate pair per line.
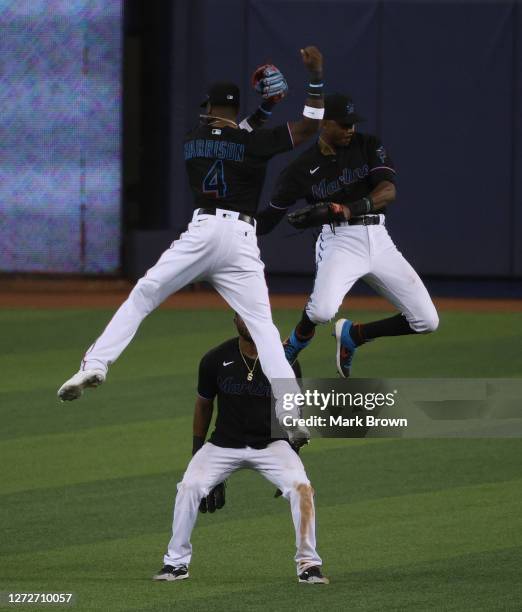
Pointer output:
x,y
244,407
227,166
344,177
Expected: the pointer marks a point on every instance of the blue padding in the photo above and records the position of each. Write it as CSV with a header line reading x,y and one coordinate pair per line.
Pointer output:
x,y
438,81
447,121
517,148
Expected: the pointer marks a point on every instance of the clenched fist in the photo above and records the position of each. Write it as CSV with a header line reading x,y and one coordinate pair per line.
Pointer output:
x,y
312,59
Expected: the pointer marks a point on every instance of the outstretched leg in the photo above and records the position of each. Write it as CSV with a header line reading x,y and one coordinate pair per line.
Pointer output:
x,y
242,284
186,260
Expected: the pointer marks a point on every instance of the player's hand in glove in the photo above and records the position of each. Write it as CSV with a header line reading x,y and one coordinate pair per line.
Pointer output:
x,y
215,500
322,213
298,436
269,81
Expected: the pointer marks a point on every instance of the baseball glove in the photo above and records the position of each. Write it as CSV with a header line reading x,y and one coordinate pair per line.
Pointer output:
x,y
269,81
322,213
215,500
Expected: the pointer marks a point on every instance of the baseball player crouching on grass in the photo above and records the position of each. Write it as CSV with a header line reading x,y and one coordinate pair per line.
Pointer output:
x,y
242,439
348,180
226,168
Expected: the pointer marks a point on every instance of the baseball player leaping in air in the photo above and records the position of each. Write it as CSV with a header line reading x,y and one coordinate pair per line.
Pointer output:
x,y
226,169
242,439
348,180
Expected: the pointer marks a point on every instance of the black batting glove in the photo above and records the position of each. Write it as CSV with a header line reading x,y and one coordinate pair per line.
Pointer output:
x,y
215,500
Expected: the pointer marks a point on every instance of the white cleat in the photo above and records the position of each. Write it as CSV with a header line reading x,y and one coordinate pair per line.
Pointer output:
x,y
73,388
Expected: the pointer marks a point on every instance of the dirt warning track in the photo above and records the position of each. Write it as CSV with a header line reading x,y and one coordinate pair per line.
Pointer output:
x,y
110,293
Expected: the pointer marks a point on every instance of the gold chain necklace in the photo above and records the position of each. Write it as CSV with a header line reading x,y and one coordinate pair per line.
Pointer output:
x,y
250,374
216,118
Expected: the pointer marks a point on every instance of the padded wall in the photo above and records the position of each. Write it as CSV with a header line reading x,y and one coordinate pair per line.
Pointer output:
x,y
440,82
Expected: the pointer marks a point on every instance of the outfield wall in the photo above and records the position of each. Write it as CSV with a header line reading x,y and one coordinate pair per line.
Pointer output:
x,y
440,82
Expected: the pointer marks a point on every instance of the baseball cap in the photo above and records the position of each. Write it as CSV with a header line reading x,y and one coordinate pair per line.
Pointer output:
x,y
222,93
340,108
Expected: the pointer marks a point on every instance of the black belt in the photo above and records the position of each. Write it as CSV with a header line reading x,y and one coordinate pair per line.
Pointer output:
x,y
365,220
241,216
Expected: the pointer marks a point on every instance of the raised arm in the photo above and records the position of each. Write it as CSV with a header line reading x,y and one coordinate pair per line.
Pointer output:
x,y
268,81
314,106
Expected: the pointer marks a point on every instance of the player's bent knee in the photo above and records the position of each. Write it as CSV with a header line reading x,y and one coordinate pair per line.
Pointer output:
x,y
427,323
145,295
320,313
192,488
431,322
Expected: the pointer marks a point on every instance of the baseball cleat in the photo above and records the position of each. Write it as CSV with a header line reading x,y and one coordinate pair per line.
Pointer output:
x,y
293,347
170,573
313,575
73,388
346,347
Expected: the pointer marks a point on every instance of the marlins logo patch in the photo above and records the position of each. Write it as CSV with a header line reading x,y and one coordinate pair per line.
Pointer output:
x,y
381,153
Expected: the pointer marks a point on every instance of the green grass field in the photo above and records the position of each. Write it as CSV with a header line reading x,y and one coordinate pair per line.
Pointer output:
x,y
87,487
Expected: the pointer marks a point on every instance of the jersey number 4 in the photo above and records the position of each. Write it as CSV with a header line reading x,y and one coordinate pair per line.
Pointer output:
x,y
214,182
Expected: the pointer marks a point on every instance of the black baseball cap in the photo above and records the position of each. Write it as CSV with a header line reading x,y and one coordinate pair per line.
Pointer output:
x,y
340,108
222,93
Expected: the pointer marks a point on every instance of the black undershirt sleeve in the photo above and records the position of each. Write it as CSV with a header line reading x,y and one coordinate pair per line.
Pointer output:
x,y
268,219
286,192
266,143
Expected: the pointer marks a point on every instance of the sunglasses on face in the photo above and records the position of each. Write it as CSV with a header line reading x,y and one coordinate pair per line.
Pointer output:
x,y
346,126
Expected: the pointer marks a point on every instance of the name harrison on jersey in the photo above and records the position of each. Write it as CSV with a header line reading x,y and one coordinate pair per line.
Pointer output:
x,y
214,149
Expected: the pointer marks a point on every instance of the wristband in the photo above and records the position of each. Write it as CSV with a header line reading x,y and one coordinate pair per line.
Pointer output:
x,y
313,113
315,90
361,207
267,106
315,87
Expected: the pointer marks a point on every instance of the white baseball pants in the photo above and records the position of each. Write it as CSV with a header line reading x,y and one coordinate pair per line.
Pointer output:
x,y
222,250
212,464
367,252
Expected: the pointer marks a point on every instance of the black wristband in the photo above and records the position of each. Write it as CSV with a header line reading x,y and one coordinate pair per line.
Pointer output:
x,y
361,207
197,443
267,105
262,113
315,87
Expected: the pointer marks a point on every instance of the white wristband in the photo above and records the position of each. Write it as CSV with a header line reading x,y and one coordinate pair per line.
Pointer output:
x,y
313,113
